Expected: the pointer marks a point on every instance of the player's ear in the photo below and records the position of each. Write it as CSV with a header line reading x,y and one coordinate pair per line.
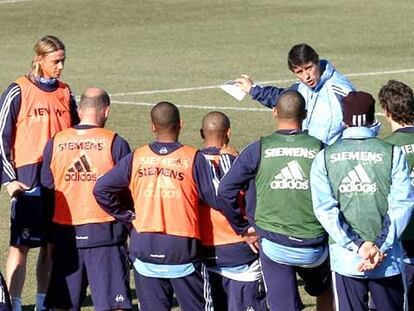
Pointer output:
x,y
202,134
106,111
152,127
305,113
228,133
274,112
181,124
80,114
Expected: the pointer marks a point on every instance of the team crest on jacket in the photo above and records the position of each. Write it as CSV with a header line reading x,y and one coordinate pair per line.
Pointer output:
x,y
81,170
26,233
291,177
357,180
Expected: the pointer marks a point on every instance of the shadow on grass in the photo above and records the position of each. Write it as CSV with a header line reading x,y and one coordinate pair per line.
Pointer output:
x,y
307,304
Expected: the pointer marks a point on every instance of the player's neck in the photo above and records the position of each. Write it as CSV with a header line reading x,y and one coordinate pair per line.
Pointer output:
x,y
214,143
288,125
396,126
90,122
166,138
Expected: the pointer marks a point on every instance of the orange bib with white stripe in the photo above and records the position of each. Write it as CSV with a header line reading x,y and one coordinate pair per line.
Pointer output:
x,y
79,157
214,227
165,193
41,115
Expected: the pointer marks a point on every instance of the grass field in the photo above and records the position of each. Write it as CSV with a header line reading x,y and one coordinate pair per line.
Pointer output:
x,y
142,52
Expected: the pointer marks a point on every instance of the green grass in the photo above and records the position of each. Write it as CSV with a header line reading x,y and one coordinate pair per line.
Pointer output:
x,y
131,46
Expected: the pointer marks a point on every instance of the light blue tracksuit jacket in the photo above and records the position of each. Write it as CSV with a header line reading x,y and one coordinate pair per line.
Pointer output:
x,y
323,103
344,252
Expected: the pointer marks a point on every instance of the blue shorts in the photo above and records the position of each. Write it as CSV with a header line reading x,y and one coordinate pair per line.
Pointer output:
x,y
232,295
409,276
192,291
351,294
30,220
282,286
4,296
105,269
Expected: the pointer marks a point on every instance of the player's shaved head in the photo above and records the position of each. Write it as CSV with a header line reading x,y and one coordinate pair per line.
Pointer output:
x,y
215,123
165,117
94,98
291,105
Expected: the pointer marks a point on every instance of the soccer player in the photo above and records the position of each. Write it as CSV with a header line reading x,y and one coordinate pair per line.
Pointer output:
x,y
275,169
363,197
233,267
397,100
320,84
89,245
167,180
32,109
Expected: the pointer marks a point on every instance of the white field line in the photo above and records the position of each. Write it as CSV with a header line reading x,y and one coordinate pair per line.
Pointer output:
x,y
206,107
193,106
197,88
13,1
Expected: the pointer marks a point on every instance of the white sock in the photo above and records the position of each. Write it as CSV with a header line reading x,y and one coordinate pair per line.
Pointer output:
x,y
16,303
40,299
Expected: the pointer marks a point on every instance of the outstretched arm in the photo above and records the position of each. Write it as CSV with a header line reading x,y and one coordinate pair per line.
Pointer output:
x,y
266,95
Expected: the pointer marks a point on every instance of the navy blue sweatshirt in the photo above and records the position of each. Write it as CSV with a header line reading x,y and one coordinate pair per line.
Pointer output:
x,y
242,175
10,103
88,235
233,254
177,250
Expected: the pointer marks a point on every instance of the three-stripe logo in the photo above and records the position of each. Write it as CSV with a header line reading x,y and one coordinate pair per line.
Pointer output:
x,y
357,180
291,177
81,170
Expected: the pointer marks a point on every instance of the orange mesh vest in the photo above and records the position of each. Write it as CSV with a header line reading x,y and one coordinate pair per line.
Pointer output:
x,y
41,115
79,157
165,193
214,227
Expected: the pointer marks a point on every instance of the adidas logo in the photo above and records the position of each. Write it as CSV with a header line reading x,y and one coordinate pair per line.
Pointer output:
x,y
357,180
290,177
81,170
119,298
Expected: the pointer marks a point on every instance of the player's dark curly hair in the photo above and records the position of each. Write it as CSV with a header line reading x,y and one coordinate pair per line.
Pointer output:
x,y
397,99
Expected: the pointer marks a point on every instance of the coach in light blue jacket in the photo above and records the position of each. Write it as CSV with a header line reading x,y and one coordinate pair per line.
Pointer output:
x,y
362,196
320,84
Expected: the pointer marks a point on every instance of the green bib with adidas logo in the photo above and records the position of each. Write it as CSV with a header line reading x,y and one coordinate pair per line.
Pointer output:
x,y
284,202
359,171
406,141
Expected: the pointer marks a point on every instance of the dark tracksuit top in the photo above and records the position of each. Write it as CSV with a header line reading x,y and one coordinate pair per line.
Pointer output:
x,y
177,250
92,235
242,174
10,103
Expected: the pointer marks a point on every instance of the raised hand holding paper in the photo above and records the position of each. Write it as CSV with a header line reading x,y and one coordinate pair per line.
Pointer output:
x,y
231,88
